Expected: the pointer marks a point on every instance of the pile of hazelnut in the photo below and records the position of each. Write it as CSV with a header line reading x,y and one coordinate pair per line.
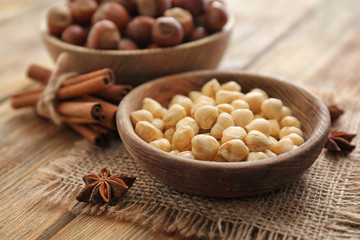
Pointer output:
x,y
219,123
135,24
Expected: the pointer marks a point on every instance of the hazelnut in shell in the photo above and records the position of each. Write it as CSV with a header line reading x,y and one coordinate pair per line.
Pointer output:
x,y
127,44
139,30
152,8
57,19
196,7
130,5
113,12
216,16
183,16
167,32
82,10
197,33
103,35
74,34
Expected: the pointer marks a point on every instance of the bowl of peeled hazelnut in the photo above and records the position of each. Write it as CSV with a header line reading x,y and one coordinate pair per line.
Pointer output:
x,y
223,134
139,39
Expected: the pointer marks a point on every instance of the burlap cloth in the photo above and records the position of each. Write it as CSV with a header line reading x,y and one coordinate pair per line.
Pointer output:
x,y
323,204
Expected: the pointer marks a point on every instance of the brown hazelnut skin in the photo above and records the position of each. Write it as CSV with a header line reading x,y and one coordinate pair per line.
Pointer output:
x,y
127,44
152,46
82,10
167,32
183,16
216,16
57,19
196,7
103,35
113,12
74,34
152,8
197,33
129,5
139,30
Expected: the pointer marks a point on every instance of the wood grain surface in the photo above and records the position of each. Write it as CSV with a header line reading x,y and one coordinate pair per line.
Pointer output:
x,y
311,42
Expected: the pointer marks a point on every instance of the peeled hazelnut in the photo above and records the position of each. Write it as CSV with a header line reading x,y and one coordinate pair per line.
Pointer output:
x,y
211,88
231,86
197,33
257,141
216,16
127,44
139,30
234,150
206,116
254,156
103,35
196,7
152,8
167,32
259,90
254,99
272,108
147,131
113,12
82,10
58,18
74,34
260,124
183,16
204,147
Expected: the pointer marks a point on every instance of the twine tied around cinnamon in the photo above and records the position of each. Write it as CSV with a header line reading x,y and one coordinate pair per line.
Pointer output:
x,y
46,106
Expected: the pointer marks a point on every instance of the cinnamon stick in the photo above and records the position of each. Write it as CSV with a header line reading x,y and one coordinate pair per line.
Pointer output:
x,y
109,111
90,110
38,73
42,75
70,119
82,88
27,92
80,120
114,94
105,72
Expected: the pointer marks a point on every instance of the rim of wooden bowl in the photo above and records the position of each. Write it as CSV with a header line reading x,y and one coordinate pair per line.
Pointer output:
x,y
193,44
126,129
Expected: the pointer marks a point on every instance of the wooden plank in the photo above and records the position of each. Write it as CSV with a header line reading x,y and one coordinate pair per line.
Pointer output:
x,y
261,23
14,8
27,143
21,47
321,52
83,227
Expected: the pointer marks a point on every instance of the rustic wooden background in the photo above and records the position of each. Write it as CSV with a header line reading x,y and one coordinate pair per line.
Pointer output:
x,y
311,42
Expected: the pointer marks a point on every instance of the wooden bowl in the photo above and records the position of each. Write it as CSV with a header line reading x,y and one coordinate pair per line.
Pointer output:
x,y
226,179
137,66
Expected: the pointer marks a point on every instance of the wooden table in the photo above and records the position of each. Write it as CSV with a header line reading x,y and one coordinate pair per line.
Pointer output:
x,y
311,42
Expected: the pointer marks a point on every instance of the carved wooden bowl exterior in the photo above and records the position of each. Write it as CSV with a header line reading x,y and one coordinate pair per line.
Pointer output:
x,y
226,179
137,66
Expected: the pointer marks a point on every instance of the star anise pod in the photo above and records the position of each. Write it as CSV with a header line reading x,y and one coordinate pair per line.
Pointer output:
x,y
104,187
335,112
338,142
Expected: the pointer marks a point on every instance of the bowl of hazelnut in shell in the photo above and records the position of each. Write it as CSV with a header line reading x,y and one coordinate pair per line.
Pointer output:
x,y
139,39
223,134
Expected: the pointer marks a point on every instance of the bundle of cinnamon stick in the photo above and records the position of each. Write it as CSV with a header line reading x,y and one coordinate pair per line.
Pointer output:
x,y
87,103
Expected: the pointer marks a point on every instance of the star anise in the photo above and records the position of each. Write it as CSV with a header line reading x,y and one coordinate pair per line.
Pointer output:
x,y
335,112
338,142
104,187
